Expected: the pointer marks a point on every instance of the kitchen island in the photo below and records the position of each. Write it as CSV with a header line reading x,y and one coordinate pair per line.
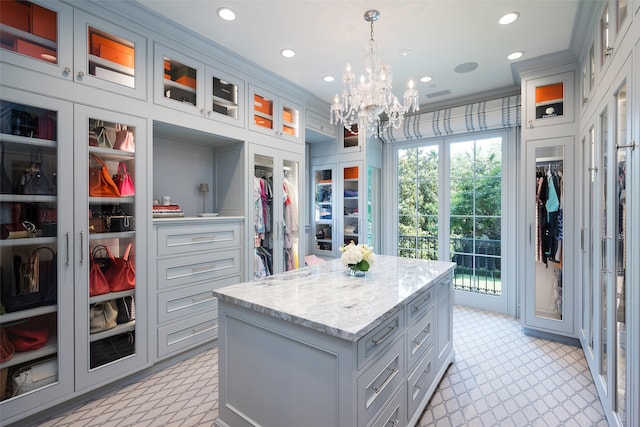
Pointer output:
x,y
318,347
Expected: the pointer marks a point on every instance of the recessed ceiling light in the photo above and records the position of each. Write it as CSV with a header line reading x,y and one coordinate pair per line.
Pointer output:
x,y
226,14
405,52
515,55
288,53
425,79
508,18
328,78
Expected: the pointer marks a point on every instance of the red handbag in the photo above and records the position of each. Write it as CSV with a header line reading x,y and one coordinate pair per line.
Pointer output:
x,y
122,274
28,336
98,283
123,181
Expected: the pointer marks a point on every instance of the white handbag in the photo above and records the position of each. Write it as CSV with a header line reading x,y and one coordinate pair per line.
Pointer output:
x,y
35,376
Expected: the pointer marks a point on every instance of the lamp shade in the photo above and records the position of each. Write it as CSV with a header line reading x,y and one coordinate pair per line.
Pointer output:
x,y
204,188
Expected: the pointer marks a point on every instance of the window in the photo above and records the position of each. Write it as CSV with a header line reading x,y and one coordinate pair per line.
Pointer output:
x,y
418,224
473,189
475,183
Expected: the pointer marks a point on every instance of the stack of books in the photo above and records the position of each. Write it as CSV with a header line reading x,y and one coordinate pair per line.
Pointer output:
x,y
167,211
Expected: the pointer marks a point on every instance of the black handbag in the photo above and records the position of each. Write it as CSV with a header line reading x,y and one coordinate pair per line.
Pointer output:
x,y
126,309
109,349
34,282
34,180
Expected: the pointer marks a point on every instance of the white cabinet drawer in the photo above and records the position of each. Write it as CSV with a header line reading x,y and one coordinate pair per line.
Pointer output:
x,y
420,381
419,339
394,414
419,306
183,270
379,382
379,339
191,300
184,334
197,238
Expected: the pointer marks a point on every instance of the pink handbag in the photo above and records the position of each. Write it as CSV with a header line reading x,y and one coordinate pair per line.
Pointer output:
x,y
123,181
124,139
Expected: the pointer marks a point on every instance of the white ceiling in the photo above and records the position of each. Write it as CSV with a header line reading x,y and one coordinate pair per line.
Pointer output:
x,y
441,35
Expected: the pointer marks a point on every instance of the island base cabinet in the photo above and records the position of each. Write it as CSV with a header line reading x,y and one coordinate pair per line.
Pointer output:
x,y
274,372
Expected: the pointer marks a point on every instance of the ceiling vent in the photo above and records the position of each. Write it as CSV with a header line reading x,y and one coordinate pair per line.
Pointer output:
x,y
441,93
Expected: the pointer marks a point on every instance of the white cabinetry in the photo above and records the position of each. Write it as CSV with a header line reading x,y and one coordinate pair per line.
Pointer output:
x,y
274,115
80,357
324,210
119,223
50,312
195,256
185,84
54,38
275,211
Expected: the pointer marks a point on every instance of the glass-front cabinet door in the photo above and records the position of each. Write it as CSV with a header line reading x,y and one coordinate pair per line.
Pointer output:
x,y
37,35
36,220
273,115
110,217
351,207
276,206
109,57
549,291
324,203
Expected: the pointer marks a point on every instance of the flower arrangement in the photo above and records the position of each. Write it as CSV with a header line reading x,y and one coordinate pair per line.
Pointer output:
x,y
357,257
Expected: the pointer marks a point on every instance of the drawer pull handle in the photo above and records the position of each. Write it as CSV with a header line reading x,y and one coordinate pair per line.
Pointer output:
x,y
427,331
201,329
425,300
204,298
421,379
379,341
394,372
202,238
202,269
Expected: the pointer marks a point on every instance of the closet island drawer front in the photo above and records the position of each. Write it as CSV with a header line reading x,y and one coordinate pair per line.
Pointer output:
x,y
178,271
420,382
394,414
187,238
379,339
419,306
419,339
184,334
379,382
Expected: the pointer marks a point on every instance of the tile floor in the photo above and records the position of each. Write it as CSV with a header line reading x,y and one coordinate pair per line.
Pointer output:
x,y
500,377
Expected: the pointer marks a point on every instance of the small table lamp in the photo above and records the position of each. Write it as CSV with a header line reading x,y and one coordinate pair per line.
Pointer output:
x,y
204,189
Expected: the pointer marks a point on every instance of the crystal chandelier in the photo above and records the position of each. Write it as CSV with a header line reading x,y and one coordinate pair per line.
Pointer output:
x,y
363,102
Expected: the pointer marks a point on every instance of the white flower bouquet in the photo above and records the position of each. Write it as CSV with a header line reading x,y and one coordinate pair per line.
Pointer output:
x,y
357,257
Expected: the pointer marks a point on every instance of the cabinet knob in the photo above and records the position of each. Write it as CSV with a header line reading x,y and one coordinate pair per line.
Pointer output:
x,y
80,75
66,71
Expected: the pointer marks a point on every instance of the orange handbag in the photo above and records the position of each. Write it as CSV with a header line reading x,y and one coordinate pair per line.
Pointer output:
x,y
100,182
122,274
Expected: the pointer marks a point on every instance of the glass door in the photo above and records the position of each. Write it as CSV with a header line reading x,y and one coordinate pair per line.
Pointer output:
x,y
549,291
276,212
351,204
324,201
35,306
110,286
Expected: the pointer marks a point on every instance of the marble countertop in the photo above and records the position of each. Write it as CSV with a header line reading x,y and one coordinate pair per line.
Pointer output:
x,y
326,298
